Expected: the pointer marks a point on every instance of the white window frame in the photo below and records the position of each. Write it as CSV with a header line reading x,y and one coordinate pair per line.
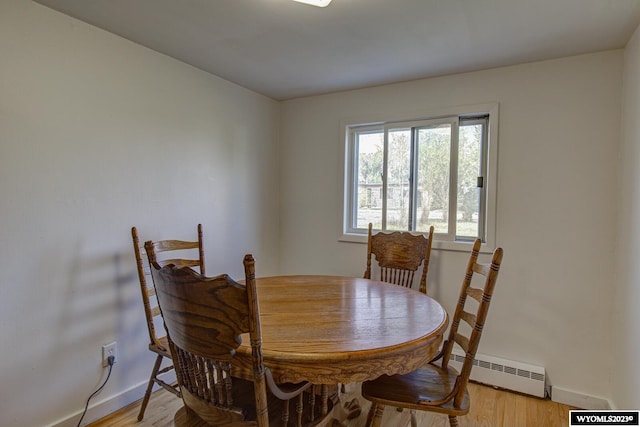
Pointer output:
x,y
490,179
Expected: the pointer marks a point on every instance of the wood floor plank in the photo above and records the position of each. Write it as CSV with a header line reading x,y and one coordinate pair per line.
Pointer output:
x,y
489,408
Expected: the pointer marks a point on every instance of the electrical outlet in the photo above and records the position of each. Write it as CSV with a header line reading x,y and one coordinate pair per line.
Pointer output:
x,y
109,350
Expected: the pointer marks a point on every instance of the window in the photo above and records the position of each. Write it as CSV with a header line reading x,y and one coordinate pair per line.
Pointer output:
x,y
411,174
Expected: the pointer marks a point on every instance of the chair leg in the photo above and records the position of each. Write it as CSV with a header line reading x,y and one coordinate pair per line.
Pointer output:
x,y
453,421
374,417
414,421
147,393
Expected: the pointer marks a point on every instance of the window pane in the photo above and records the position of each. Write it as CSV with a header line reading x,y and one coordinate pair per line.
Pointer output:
x,y
369,172
469,164
434,154
423,172
398,170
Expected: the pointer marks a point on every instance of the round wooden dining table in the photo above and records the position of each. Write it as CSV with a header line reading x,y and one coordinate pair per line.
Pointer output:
x,y
333,329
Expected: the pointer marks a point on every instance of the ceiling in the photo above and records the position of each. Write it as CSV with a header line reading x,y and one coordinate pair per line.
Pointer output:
x,y
285,50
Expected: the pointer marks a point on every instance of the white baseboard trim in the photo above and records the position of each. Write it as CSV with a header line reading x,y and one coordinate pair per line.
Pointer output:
x,y
578,400
104,407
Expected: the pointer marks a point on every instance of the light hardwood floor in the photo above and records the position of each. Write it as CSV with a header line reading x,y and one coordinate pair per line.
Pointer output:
x,y
489,408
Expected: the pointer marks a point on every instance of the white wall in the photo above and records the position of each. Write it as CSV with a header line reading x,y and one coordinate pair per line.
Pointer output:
x,y
98,134
626,342
558,141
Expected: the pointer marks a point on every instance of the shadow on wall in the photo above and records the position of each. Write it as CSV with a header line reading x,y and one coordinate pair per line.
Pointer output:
x,y
101,304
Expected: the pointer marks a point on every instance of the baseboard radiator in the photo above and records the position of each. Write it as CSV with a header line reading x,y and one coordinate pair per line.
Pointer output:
x,y
507,374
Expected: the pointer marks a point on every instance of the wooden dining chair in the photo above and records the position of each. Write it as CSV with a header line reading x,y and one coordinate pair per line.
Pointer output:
x,y
204,319
437,387
158,344
398,256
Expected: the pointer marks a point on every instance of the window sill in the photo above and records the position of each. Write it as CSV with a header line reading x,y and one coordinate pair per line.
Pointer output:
x,y
439,245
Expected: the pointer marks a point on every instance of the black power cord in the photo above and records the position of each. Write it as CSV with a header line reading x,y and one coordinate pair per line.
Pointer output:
x,y
111,360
